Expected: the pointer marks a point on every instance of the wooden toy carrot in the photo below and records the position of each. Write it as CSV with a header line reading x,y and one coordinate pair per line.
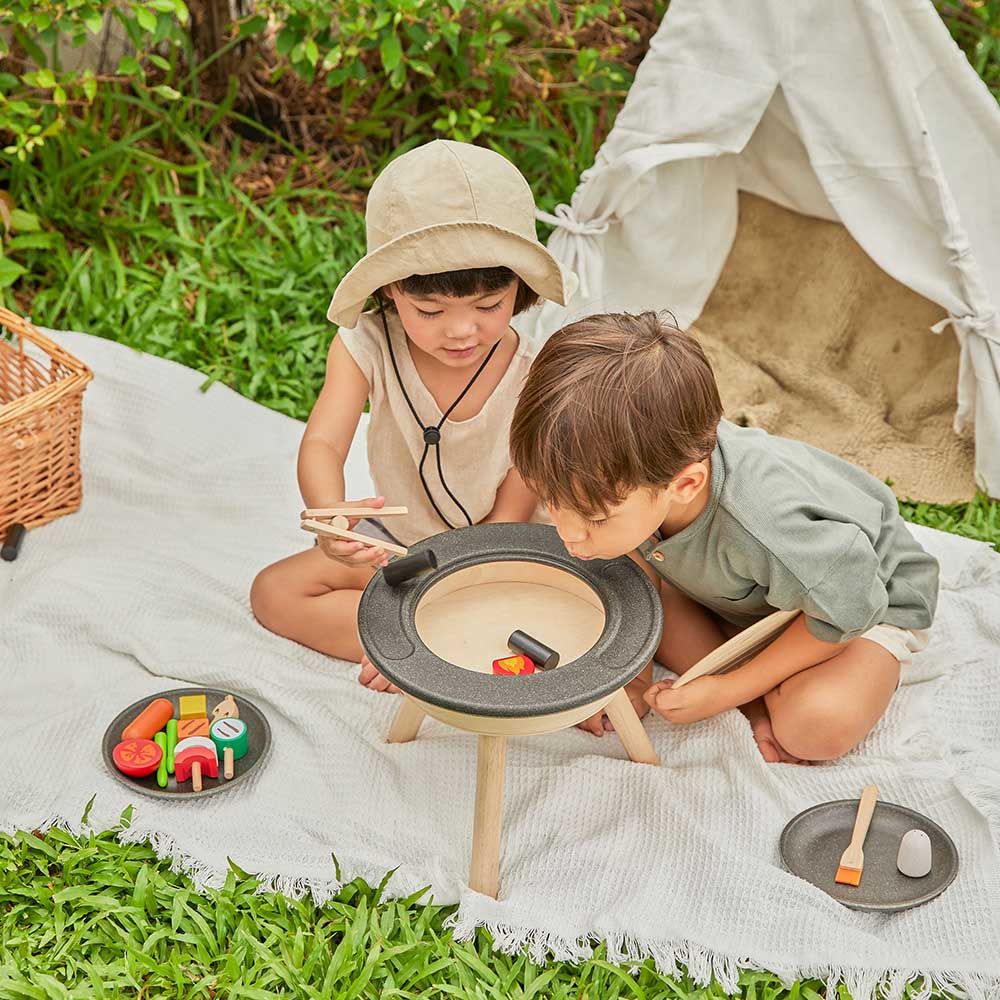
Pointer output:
x,y
161,772
171,743
149,721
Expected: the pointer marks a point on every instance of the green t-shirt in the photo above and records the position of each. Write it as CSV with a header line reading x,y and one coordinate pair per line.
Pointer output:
x,y
788,526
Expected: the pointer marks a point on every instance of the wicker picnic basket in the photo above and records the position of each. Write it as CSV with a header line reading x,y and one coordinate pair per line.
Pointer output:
x,y
41,409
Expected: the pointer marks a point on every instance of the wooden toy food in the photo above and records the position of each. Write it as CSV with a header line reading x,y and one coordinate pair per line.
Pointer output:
x,y
232,742
192,727
153,778
194,758
518,665
171,743
137,757
914,857
544,657
226,709
149,721
193,706
161,771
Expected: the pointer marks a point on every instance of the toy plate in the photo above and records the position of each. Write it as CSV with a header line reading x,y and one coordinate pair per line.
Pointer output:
x,y
813,841
258,731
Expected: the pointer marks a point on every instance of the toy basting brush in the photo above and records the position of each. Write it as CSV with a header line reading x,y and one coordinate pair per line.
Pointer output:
x,y
852,861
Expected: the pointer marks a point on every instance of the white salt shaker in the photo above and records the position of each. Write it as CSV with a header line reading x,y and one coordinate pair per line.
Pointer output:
x,y
914,858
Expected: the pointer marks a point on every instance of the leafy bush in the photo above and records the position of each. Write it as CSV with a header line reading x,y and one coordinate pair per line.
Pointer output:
x,y
36,98
975,25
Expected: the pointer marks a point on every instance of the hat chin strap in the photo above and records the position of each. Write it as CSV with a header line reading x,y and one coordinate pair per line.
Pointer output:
x,y
432,433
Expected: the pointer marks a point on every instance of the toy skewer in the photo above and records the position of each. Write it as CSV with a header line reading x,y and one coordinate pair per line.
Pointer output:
x,y
319,528
314,512
231,741
194,757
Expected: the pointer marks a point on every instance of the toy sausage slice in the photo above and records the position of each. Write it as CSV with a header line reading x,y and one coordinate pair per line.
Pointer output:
x,y
149,721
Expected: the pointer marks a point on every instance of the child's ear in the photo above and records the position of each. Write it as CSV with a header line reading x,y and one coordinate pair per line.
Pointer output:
x,y
689,482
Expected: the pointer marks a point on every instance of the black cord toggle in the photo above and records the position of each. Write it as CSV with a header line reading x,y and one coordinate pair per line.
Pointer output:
x,y
432,435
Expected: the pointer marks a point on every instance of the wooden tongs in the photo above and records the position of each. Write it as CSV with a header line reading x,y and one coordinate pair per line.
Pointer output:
x,y
333,521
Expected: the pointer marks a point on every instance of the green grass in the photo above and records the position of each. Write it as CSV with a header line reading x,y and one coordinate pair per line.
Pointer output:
x,y
89,917
176,259
979,518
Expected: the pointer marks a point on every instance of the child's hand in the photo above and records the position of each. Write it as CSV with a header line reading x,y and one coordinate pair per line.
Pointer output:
x,y
355,554
701,699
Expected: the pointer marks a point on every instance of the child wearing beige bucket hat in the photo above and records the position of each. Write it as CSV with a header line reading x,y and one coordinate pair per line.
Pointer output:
x,y
452,256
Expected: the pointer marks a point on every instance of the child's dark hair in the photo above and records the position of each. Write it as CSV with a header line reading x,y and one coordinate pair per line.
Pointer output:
x,y
612,404
471,281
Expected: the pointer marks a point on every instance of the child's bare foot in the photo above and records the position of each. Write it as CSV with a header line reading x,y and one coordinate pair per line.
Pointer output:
x,y
760,725
600,724
373,680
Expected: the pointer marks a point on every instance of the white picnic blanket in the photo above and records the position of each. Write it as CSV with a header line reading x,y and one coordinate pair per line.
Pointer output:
x,y
188,494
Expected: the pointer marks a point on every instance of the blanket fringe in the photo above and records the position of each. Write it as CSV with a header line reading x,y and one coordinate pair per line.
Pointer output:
x,y
208,876
703,965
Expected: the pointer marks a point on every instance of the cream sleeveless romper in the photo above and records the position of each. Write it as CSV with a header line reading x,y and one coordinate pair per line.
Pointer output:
x,y
475,455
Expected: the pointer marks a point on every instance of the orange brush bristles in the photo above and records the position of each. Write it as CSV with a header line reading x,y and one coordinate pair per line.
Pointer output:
x,y
848,876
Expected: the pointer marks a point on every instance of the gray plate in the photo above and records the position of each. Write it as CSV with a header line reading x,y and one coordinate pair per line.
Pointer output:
x,y
812,843
258,733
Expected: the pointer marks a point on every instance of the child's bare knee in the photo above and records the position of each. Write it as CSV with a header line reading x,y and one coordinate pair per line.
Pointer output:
x,y
268,598
809,727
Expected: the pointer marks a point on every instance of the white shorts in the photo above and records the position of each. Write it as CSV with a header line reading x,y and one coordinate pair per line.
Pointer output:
x,y
901,642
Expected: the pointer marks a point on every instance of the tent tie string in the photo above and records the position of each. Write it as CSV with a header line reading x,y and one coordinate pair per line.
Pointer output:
x,y
565,218
986,326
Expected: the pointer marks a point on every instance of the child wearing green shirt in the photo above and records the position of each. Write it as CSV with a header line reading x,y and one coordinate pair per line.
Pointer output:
x,y
619,431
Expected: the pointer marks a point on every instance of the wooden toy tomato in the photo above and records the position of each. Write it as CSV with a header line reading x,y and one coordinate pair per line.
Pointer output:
x,y
137,757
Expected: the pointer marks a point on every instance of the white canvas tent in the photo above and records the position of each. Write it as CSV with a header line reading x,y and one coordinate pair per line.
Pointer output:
x,y
863,112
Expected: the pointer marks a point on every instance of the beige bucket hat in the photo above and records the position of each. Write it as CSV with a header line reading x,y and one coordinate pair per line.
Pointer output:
x,y
449,206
